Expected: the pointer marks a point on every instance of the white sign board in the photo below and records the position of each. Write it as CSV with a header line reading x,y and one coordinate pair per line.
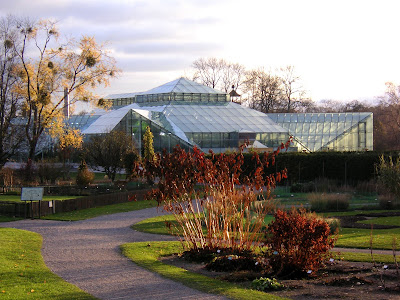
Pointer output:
x,y
31,193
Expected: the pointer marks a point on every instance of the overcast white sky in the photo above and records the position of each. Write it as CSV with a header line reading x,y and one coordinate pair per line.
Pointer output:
x,y
343,50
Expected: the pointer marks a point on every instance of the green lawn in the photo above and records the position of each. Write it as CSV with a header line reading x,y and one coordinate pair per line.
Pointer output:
x,y
366,257
17,198
354,212
101,210
394,221
360,238
146,254
348,237
157,225
8,219
23,274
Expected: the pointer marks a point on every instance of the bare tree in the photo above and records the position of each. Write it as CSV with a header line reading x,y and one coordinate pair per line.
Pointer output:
x,y
292,90
218,73
233,76
208,71
328,106
355,106
387,119
10,135
263,91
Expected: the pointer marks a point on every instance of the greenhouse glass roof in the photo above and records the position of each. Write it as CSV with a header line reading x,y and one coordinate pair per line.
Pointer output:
x,y
316,130
223,117
183,85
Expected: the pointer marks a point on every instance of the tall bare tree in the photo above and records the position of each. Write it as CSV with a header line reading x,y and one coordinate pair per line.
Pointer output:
x,y
208,71
218,73
10,135
232,77
387,119
263,91
292,91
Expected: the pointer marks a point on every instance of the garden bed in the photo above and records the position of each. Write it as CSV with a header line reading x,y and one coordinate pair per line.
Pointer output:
x,y
339,280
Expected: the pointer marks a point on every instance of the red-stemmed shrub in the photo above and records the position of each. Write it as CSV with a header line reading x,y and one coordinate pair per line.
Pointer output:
x,y
297,243
228,211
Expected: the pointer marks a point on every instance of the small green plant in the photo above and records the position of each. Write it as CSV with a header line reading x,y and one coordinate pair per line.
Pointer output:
x,y
148,145
334,224
84,175
371,242
394,247
267,284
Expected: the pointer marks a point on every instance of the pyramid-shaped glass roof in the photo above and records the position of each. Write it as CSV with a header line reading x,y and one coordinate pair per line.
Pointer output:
x,y
183,85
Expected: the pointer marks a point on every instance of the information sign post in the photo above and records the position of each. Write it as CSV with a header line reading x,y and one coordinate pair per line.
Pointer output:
x,y
32,194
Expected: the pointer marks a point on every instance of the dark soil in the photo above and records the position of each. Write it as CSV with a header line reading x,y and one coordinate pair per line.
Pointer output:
x,y
338,280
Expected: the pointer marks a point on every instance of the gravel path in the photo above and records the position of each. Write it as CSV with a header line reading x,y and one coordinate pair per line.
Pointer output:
x,y
86,254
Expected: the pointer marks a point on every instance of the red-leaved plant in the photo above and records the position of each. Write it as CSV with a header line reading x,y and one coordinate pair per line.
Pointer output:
x,y
229,204
297,242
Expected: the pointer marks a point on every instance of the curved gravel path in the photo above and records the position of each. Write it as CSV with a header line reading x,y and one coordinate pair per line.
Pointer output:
x,y
86,254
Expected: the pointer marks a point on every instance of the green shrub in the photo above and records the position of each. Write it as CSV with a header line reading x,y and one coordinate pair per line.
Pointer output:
x,y
306,187
297,243
49,171
84,176
267,284
334,224
130,160
389,176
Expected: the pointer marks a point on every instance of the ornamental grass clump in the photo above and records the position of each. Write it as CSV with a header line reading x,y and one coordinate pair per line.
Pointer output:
x,y
222,213
329,202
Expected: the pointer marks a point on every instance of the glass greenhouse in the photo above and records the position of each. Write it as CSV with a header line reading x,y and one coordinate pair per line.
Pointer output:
x,y
190,114
329,131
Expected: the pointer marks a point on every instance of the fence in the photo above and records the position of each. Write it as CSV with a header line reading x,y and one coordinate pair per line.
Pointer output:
x,y
44,208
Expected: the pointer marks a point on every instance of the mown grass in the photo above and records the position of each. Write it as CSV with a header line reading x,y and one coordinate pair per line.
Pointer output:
x,y
23,274
366,257
146,254
157,225
360,238
393,221
88,213
355,212
8,219
348,237
17,198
